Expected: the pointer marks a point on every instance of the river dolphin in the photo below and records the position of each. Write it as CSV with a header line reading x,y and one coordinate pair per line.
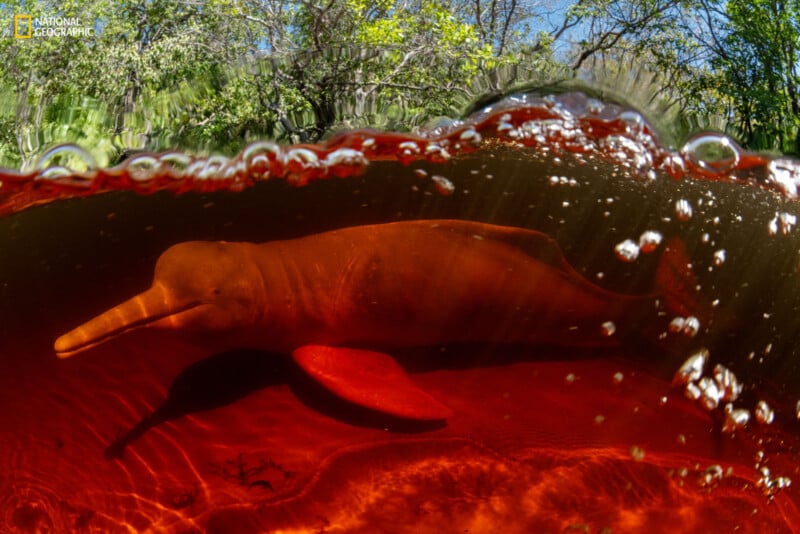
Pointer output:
x,y
339,300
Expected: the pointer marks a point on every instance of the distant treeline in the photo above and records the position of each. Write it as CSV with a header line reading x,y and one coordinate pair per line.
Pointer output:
x,y
156,74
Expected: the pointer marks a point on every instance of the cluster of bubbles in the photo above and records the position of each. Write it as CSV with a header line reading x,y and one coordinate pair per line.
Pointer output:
x,y
770,484
628,250
688,326
710,391
571,122
683,209
721,389
782,222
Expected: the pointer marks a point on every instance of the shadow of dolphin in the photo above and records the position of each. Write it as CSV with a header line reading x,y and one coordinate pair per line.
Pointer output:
x,y
228,377
213,382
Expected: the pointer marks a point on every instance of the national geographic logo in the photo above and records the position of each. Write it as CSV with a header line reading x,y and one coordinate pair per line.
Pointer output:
x,y
26,26
23,26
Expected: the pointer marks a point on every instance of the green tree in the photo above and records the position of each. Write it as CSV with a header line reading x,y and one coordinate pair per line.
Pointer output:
x,y
385,63
92,89
757,49
35,74
159,74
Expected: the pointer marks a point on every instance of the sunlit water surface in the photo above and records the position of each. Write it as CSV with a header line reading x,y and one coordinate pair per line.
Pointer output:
x,y
688,424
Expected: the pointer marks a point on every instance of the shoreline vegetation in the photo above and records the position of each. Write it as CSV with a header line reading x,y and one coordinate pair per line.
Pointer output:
x,y
214,76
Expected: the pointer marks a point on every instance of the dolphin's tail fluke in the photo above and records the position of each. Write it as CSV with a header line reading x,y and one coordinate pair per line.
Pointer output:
x,y
137,312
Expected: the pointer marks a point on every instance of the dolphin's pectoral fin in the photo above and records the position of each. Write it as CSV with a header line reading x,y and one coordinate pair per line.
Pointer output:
x,y
370,379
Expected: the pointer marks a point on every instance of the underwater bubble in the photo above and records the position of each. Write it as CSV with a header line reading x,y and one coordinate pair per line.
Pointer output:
x,y
54,173
728,384
443,185
683,210
212,168
470,136
142,168
786,222
234,170
300,160
676,324
627,152
692,368
618,378
692,391
504,126
719,258
674,166
691,326
735,419
68,156
594,106
710,394
764,471
771,485
259,158
780,483
563,180
711,154
407,152
782,222
637,453
435,153
712,475
174,163
608,328
764,414
344,162
649,241
633,121
785,174
627,251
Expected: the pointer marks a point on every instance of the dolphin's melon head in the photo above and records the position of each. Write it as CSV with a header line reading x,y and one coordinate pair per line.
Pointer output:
x,y
198,286
213,286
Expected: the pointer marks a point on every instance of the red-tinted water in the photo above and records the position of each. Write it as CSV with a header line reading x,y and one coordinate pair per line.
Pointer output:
x,y
150,433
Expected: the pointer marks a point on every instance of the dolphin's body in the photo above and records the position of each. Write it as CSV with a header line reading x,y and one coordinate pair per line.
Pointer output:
x,y
403,284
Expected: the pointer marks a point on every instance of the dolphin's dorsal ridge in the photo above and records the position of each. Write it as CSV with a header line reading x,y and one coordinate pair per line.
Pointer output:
x,y
370,379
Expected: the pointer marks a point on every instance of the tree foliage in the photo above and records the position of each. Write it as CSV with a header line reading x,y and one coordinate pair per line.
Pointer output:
x,y
755,49
213,75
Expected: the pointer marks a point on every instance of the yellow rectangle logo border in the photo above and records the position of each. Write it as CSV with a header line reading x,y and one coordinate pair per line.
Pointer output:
x,y
17,19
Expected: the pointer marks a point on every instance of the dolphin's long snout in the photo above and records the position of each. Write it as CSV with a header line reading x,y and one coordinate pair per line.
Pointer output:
x,y
139,311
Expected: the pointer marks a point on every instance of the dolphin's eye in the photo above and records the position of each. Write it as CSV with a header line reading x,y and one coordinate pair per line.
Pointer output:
x,y
217,291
